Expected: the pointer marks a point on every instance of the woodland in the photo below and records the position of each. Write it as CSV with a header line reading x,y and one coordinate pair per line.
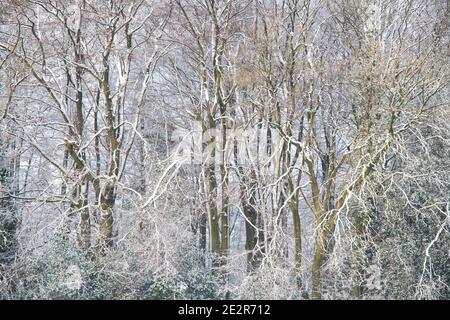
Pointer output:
x,y
219,149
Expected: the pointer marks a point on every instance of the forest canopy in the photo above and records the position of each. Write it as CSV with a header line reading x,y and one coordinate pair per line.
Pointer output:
x,y
219,149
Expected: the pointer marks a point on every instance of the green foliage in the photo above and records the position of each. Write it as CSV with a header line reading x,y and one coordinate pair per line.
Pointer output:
x,y
189,279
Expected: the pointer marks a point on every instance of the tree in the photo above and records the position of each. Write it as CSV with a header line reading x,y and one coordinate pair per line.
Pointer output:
x,y
224,149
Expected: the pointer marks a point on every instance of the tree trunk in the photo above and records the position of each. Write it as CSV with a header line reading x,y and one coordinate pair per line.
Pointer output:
x,y
317,268
107,200
224,189
251,238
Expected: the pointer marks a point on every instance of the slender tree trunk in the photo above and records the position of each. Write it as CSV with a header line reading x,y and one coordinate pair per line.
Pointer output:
x,y
85,220
212,185
108,194
251,232
224,189
253,235
317,264
297,242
